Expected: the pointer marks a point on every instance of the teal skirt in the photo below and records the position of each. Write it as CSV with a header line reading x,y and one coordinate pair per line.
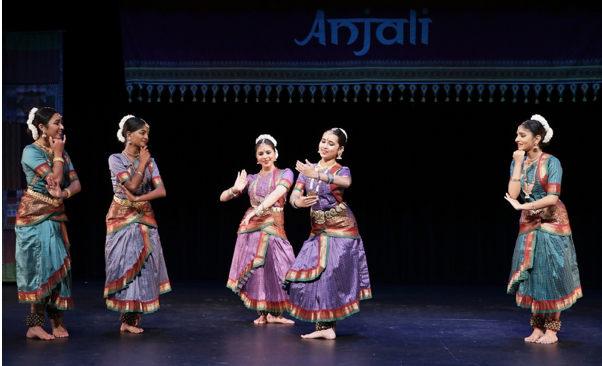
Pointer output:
x,y
545,275
44,264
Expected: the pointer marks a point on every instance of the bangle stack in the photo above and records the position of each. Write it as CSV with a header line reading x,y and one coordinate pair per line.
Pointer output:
x,y
258,209
68,193
232,194
293,202
54,160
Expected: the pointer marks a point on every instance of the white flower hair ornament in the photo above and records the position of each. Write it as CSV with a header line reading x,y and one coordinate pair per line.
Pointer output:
x,y
32,128
273,140
546,126
120,136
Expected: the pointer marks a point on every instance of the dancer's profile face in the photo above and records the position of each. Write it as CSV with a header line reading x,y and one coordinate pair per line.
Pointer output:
x,y
140,137
265,156
55,126
524,139
329,146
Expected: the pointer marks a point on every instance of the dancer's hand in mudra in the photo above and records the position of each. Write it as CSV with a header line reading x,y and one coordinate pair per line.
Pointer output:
x,y
241,181
247,218
306,169
513,202
53,188
129,195
306,201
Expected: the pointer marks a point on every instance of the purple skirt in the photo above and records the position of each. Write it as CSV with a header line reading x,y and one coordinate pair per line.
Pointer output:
x,y
258,268
337,279
135,270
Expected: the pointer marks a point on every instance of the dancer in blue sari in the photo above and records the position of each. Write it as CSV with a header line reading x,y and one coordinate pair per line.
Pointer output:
x,y
42,248
544,274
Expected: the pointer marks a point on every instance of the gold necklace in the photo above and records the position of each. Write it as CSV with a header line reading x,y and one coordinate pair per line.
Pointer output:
x,y
130,156
528,187
46,149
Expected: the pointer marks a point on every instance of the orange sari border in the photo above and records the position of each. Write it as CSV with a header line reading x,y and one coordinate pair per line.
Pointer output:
x,y
164,288
366,294
122,282
326,315
258,261
133,306
61,303
526,263
312,273
549,306
45,290
272,306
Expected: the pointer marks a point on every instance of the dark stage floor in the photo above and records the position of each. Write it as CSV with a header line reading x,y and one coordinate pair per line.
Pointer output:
x,y
204,323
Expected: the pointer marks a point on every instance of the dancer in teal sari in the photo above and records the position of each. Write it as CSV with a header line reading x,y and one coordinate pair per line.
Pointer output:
x,y
544,275
42,247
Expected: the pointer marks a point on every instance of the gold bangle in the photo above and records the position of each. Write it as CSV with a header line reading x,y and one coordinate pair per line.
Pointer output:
x,y
140,174
58,159
68,193
231,192
516,180
532,205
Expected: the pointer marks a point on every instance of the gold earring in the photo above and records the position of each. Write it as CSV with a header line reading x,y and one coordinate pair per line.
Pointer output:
x,y
43,133
129,140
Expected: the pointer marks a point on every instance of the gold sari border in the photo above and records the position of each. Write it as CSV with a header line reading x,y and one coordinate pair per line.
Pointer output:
x,y
61,303
164,287
366,294
123,281
549,306
133,306
312,273
527,263
326,315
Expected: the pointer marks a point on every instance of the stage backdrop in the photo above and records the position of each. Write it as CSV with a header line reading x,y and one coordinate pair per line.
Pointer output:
x,y
377,55
32,76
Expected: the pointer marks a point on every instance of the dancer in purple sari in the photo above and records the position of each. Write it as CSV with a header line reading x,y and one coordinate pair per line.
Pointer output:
x,y
262,254
330,275
135,268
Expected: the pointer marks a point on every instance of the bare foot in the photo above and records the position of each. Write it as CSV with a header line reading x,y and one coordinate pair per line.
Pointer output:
x,y
130,328
138,319
261,320
548,338
58,328
39,332
279,319
326,334
534,337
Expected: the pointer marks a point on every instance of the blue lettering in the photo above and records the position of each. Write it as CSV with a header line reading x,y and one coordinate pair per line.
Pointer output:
x,y
318,30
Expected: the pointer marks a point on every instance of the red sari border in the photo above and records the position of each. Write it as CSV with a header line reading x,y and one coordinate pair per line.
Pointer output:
x,y
549,306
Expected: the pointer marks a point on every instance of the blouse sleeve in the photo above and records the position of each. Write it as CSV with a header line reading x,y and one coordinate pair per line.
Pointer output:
x,y
72,174
287,179
300,183
119,169
155,175
35,159
554,176
344,172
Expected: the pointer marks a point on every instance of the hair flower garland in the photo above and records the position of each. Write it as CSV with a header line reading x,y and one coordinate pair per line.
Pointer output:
x,y
270,138
546,126
32,128
120,136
